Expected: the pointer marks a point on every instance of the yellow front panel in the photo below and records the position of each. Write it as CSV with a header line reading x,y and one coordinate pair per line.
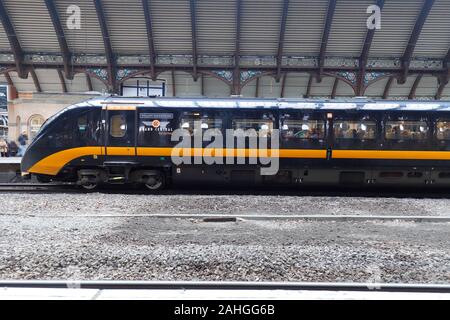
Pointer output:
x,y
52,164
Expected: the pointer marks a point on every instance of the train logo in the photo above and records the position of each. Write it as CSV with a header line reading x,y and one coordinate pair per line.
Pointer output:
x,y
156,124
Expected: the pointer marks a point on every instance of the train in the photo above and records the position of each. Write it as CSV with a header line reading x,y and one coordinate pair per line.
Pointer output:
x,y
356,142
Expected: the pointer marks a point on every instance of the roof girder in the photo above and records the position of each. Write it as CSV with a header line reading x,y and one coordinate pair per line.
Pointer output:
x,y
409,50
192,4
35,78
284,15
66,54
14,42
110,56
236,87
150,39
365,54
62,80
325,35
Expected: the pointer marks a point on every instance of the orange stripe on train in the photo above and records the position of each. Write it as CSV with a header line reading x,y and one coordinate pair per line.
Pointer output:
x,y
52,164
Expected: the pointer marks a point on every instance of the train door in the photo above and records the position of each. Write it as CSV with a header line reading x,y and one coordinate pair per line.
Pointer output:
x,y
120,142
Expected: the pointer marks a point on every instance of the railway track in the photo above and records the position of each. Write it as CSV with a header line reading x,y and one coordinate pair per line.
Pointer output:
x,y
259,191
22,187
228,291
218,285
224,218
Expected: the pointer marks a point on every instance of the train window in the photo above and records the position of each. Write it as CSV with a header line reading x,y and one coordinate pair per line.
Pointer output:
x,y
406,130
443,130
265,127
302,129
160,123
193,120
82,123
155,128
118,126
355,130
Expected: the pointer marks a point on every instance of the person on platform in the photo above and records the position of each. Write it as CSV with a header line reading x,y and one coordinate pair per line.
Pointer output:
x,y
3,148
13,149
23,141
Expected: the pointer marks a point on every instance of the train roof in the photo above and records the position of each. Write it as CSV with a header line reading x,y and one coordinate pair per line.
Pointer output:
x,y
252,103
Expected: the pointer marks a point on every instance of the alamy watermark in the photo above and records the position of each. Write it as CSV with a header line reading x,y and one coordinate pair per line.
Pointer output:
x,y
74,18
237,147
374,280
374,21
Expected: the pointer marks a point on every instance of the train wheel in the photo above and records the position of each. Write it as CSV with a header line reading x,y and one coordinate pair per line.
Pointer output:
x,y
89,179
89,186
155,181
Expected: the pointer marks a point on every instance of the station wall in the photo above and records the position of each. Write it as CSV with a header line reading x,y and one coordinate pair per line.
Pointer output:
x,y
28,112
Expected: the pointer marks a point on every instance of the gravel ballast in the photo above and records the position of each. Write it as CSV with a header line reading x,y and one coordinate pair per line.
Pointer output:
x,y
119,204
65,237
146,248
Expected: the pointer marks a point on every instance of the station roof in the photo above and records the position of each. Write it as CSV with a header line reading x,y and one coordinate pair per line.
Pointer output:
x,y
270,48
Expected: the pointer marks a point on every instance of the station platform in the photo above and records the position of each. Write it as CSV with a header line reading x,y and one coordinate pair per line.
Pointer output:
x,y
10,160
9,169
139,294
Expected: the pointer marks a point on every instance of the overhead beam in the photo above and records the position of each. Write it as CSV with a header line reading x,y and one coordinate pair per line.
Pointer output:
x,y
334,90
443,81
308,89
66,54
283,85
110,57
151,43
174,86
387,88
446,61
412,93
257,88
36,82
194,38
281,38
12,90
407,55
202,79
14,43
62,80
365,54
236,88
445,78
49,61
325,36
89,82
8,79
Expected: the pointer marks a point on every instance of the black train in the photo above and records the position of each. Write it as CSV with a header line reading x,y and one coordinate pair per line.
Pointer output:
x,y
354,143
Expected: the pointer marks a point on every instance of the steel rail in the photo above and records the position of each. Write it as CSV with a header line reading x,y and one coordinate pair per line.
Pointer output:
x,y
227,285
217,218
33,187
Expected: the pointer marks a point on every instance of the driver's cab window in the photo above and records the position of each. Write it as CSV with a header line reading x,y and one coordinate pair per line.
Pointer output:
x,y
118,126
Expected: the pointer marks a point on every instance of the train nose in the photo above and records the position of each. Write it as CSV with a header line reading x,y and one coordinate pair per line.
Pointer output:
x,y
27,161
